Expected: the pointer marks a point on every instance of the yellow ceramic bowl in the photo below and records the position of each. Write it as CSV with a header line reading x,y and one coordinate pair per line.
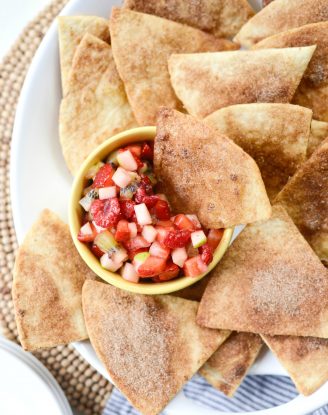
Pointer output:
x,y
75,213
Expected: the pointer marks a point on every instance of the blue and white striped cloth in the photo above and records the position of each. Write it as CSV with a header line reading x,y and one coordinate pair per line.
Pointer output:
x,y
255,393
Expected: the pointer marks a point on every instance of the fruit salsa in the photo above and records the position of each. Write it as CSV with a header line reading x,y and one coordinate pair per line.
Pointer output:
x,y
130,228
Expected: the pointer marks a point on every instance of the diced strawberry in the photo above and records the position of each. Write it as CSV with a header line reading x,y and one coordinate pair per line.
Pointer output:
x,y
136,243
162,210
151,267
134,148
214,237
104,177
146,184
122,233
177,238
171,271
97,251
147,152
138,161
167,224
87,233
106,213
133,253
206,253
127,208
194,267
150,201
161,234
182,222
195,221
156,249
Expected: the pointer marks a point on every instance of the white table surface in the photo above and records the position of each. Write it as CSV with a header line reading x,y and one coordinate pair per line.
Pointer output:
x,y
14,16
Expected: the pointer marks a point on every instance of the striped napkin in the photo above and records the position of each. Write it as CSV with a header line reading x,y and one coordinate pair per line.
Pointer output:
x,y
255,393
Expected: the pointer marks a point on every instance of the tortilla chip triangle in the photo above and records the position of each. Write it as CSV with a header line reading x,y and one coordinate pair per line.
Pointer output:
x,y
207,165
269,281
95,107
279,16
142,341
227,367
304,358
48,279
221,18
71,30
319,131
208,82
275,135
312,91
305,197
142,43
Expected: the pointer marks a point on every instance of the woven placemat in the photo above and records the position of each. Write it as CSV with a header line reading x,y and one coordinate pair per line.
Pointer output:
x,y
86,389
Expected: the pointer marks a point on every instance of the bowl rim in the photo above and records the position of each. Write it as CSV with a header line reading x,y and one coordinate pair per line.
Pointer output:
x,y
74,211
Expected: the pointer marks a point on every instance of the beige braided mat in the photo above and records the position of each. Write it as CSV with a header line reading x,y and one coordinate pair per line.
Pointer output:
x,y
86,390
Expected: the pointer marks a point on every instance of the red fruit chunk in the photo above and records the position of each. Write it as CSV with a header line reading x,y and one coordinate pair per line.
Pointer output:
x,y
177,239
206,253
161,234
89,237
104,176
150,201
182,222
194,267
135,150
122,233
166,224
139,195
127,208
151,267
145,183
214,237
132,254
106,213
147,152
162,210
171,271
138,161
97,251
136,243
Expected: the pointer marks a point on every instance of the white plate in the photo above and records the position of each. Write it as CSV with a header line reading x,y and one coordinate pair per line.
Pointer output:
x,y
39,176
26,386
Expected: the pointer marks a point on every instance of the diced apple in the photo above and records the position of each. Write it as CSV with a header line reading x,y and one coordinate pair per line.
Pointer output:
x,y
156,249
149,233
194,267
195,221
119,255
107,192
198,239
87,233
127,161
86,229
133,229
121,177
109,264
179,256
151,267
136,243
129,273
142,214
98,228
139,259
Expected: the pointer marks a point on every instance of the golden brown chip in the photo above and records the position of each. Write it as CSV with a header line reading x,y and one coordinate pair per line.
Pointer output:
x,y
205,173
275,135
206,82
71,30
319,131
222,18
304,358
312,91
279,16
150,345
142,44
305,197
269,281
228,366
48,279
96,106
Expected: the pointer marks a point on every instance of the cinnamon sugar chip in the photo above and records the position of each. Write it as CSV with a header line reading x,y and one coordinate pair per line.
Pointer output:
x,y
150,345
304,359
270,281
